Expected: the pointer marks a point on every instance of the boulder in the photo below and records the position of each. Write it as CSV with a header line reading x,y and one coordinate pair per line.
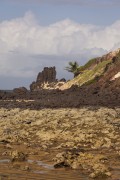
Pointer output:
x,y
20,90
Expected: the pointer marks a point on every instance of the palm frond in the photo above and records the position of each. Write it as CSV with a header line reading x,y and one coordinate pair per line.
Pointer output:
x,y
73,67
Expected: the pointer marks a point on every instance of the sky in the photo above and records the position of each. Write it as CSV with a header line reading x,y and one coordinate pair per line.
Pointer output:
x,y
39,33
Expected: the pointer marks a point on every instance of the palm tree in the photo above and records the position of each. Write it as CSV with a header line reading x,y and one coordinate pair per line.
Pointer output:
x,y
73,68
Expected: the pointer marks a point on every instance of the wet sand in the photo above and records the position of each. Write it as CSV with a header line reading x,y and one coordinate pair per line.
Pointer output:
x,y
87,139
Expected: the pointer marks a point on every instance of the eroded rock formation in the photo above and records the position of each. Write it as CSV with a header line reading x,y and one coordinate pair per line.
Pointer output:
x,y
46,77
47,80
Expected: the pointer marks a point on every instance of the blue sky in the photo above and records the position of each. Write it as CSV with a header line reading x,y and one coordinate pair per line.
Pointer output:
x,y
37,33
48,13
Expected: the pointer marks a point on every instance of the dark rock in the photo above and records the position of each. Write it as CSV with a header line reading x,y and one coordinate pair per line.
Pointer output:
x,y
48,75
33,86
61,165
62,80
20,90
66,159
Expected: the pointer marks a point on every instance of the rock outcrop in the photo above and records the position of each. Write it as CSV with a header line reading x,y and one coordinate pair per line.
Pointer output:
x,y
46,77
47,80
20,90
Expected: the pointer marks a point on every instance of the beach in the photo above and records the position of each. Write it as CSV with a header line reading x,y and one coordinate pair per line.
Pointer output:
x,y
56,143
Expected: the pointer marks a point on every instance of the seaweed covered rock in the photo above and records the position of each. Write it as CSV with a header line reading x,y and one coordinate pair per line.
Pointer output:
x,y
17,156
77,159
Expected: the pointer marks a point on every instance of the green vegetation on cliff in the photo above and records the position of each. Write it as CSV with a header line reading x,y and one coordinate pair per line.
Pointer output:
x,y
73,68
88,64
89,73
94,69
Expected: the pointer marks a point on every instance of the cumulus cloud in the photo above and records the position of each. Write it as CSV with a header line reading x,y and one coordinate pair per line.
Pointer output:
x,y
26,46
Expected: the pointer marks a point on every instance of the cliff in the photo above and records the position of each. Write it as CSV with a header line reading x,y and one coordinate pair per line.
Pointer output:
x,y
106,67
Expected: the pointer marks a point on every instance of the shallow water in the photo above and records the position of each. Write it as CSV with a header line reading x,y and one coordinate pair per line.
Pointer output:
x,y
36,167
42,164
4,161
41,167
43,171
46,171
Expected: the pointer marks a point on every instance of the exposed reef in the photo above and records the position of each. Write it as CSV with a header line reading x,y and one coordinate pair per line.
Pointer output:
x,y
85,139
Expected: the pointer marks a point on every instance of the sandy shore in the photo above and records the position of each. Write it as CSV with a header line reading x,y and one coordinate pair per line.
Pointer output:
x,y
86,139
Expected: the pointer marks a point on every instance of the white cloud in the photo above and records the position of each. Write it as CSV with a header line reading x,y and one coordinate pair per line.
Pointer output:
x,y
26,46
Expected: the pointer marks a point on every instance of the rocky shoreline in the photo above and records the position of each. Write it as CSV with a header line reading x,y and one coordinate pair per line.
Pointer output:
x,y
58,125
85,139
75,97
